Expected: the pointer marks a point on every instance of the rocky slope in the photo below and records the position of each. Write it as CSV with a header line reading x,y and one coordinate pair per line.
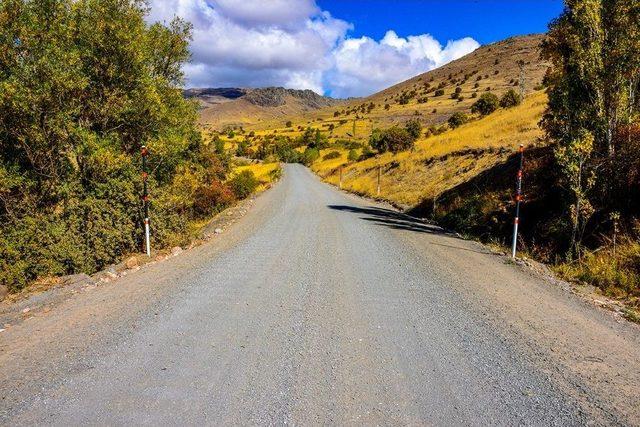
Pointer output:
x,y
222,107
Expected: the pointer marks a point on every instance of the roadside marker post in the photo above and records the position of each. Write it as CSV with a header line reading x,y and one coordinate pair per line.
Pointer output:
x,y
516,222
145,200
379,176
341,177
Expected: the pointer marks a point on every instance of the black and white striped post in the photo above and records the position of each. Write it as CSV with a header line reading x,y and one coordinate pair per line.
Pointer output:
x,y
145,200
516,222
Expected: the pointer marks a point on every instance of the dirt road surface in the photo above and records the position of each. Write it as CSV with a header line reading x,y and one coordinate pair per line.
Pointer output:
x,y
318,307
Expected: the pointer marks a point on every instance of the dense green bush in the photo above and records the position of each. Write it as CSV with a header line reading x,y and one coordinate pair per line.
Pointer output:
x,y
331,155
458,119
353,156
414,128
394,139
487,104
244,184
309,156
510,99
83,85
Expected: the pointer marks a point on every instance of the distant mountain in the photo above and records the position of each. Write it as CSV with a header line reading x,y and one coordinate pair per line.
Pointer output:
x,y
222,107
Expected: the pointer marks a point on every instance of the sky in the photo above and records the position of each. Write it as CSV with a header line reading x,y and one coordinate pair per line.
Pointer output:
x,y
340,48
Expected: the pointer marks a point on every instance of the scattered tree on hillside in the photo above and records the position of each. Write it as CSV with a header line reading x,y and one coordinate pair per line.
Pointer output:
x,y
511,98
458,119
394,139
487,104
414,128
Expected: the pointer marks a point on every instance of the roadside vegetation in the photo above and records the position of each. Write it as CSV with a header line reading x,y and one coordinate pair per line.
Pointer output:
x,y
84,84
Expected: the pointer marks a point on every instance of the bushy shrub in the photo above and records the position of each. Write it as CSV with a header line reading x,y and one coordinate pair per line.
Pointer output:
x,y
394,139
487,104
310,155
212,198
331,155
414,128
510,99
458,119
243,184
243,148
353,156
439,92
366,153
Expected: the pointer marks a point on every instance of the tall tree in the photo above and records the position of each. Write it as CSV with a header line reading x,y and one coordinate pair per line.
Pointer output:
x,y
592,88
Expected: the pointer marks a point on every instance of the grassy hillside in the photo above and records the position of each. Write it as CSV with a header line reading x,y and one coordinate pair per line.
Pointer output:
x,y
493,67
439,162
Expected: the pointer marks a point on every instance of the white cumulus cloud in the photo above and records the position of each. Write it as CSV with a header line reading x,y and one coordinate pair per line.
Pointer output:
x,y
363,65
295,44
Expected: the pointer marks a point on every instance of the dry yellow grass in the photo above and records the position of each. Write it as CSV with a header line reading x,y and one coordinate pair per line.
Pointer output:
x,y
266,173
440,162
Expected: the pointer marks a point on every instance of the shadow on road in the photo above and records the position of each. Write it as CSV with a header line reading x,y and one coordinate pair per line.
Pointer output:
x,y
400,221
390,218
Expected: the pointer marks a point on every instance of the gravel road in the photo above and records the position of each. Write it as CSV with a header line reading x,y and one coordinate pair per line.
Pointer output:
x,y
318,307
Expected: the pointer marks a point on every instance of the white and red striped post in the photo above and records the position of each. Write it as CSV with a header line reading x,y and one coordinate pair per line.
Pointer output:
x,y
516,222
145,200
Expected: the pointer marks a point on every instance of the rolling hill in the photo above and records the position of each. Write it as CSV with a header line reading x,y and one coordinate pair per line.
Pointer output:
x,y
240,107
495,67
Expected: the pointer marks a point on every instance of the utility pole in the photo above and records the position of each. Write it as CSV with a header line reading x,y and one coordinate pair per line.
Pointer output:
x,y
518,200
145,200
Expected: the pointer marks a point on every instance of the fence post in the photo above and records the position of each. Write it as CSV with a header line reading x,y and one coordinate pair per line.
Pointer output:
x,y
341,177
516,222
379,173
145,200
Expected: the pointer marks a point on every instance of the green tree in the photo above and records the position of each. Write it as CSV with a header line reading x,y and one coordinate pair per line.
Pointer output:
x,y
578,178
394,139
510,99
486,104
83,85
458,119
414,128
592,89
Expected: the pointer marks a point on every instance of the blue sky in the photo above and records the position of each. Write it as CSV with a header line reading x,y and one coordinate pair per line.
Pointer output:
x,y
340,48
486,21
